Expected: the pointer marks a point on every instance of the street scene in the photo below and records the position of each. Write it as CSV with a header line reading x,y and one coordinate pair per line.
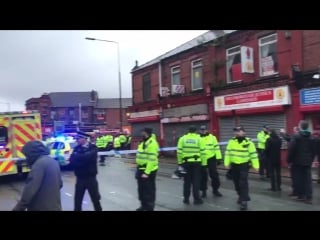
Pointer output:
x,y
118,190
208,120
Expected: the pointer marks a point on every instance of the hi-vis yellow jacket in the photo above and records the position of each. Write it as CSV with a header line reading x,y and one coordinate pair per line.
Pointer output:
x,y
190,148
147,155
212,148
243,152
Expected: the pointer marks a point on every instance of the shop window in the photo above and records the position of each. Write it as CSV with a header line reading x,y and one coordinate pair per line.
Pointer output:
x,y
268,55
233,64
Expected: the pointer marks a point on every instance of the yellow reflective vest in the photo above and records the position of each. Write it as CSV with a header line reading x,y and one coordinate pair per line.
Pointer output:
x,y
116,142
100,142
190,148
212,148
243,152
147,155
262,138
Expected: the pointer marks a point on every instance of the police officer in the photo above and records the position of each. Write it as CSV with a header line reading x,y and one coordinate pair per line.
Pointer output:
x,y
147,166
262,138
100,143
84,162
239,152
123,140
212,155
190,153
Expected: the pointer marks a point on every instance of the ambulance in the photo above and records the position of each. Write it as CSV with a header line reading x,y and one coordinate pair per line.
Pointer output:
x,y
16,129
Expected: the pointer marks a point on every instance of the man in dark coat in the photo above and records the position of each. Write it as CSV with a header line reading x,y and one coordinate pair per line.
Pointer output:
x,y
42,189
273,155
301,155
84,162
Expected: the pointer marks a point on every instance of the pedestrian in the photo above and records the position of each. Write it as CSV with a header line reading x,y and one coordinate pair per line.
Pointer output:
x,y
291,167
301,154
84,162
147,166
262,137
239,152
317,147
190,153
273,156
42,189
212,156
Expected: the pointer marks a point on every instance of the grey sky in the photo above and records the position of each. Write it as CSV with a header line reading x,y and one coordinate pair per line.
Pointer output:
x,y
35,62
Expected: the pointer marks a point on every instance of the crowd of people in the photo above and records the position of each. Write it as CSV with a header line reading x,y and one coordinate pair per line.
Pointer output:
x,y
198,154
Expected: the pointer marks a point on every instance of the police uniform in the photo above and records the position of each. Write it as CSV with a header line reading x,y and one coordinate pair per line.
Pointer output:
x,y
101,145
190,153
84,162
147,164
212,154
239,152
262,138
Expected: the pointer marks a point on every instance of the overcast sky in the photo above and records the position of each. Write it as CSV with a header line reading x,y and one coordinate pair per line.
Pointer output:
x,y
35,62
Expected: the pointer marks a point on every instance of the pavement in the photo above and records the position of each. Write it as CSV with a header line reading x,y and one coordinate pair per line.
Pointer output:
x,y
118,189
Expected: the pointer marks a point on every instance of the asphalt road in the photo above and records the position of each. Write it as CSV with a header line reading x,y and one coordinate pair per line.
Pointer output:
x,y
119,192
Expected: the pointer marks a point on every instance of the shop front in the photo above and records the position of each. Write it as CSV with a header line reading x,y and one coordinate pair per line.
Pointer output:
x,y
252,110
310,107
143,119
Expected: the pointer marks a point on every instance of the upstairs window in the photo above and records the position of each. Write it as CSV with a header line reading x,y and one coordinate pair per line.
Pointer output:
x,y
146,89
233,56
175,76
268,55
196,80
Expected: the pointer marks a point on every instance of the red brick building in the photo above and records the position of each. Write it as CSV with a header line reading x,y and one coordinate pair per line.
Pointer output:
x,y
219,79
79,107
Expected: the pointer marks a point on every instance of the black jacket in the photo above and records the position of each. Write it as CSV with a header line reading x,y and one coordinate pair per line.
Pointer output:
x,y
273,149
42,189
84,161
301,149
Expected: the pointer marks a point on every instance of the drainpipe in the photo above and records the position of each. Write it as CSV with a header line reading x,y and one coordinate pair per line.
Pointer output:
x,y
160,107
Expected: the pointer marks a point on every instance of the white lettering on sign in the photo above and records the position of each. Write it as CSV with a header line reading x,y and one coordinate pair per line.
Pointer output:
x,y
262,98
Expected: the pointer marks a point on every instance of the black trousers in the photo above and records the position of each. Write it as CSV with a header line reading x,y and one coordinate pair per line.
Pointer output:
x,y
90,184
293,174
192,178
213,174
275,175
102,158
240,180
147,190
303,181
264,168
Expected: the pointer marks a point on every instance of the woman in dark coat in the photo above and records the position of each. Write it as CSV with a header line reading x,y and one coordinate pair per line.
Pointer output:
x,y
273,155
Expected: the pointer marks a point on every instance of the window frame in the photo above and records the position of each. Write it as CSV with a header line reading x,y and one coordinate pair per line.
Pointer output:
x,y
193,66
231,54
144,87
260,52
175,70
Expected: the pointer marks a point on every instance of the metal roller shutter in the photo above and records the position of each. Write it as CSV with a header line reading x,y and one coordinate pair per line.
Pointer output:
x,y
136,128
172,131
226,125
253,124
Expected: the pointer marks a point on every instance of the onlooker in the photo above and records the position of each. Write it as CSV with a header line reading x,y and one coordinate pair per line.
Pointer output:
x,y
42,189
273,155
301,155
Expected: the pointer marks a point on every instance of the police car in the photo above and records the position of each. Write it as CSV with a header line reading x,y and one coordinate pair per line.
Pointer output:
x,y
61,149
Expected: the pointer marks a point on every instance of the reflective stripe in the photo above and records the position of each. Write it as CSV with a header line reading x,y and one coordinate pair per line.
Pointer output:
x,y
236,155
190,147
235,150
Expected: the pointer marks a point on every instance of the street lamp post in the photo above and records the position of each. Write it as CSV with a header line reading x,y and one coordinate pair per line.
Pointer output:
x,y
119,75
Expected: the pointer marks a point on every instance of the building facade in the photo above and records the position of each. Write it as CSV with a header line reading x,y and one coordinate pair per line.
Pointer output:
x,y
222,79
82,109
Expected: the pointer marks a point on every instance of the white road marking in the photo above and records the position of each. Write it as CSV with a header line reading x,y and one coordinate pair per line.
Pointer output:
x,y
112,192
68,194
